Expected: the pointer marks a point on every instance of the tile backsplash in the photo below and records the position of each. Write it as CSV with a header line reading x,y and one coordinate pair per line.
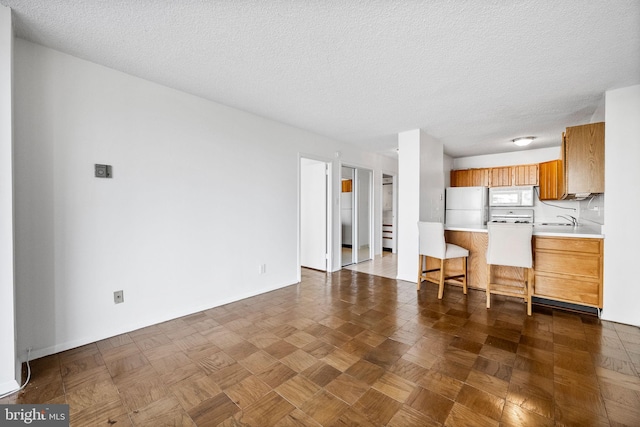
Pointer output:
x,y
592,209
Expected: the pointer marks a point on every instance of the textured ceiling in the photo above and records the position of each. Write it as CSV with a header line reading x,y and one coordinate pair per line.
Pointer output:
x,y
472,73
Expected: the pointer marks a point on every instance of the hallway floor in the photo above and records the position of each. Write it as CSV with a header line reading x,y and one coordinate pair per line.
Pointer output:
x,y
351,348
385,265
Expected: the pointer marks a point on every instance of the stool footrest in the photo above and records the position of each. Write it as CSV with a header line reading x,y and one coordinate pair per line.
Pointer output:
x,y
521,290
459,278
508,290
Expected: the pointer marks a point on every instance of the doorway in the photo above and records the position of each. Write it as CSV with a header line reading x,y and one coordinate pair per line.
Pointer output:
x,y
314,224
389,235
355,215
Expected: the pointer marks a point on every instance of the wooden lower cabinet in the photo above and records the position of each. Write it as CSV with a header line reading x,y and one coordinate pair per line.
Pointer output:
x,y
567,269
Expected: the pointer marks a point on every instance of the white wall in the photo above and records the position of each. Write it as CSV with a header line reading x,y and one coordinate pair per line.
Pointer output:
x,y
8,366
447,163
592,209
201,195
523,157
622,235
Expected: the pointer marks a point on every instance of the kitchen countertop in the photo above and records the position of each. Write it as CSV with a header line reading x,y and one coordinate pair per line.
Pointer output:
x,y
582,231
466,227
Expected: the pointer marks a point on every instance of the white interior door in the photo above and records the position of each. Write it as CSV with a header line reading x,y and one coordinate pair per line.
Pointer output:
x,y
363,214
348,218
313,214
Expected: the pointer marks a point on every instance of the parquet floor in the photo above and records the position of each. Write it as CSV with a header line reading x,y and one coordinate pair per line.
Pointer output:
x,y
352,349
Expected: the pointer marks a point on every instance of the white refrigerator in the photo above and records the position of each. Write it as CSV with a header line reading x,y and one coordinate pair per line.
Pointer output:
x,y
466,205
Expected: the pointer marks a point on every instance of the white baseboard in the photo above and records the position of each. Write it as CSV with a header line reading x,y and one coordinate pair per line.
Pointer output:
x,y
37,353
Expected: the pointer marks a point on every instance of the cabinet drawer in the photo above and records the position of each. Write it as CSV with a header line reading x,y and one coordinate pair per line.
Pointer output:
x,y
581,266
575,291
590,246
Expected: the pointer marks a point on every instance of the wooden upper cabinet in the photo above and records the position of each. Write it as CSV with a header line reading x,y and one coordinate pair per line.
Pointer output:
x,y
461,178
551,180
464,178
470,177
583,156
480,177
453,178
525,174
502,176
580,171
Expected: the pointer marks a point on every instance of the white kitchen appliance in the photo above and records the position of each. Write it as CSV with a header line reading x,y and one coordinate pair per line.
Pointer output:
x,y
466,205
511,196
511,216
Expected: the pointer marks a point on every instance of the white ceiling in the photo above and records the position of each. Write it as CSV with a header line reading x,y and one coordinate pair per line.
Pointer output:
x,y
473,73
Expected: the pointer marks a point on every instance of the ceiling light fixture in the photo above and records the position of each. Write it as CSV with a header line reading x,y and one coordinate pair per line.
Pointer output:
x,y
525,140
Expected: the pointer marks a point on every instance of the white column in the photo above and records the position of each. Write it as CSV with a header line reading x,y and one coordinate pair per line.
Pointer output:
x,y
622,234
420,194
9,366
408,203
431,179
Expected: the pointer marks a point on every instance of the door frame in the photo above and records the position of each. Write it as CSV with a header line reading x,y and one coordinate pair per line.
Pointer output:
x,y
329,212
355,210
394,209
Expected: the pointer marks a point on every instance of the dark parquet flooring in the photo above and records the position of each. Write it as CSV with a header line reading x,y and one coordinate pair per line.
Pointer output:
x,y
352,349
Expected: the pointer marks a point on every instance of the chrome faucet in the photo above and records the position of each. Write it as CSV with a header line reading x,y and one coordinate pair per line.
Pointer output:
x,y
573,219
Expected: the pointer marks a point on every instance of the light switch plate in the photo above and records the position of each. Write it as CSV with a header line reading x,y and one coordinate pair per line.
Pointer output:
x,y
103,171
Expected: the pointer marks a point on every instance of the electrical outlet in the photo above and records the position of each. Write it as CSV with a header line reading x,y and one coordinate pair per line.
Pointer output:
x,y
118,297
263,268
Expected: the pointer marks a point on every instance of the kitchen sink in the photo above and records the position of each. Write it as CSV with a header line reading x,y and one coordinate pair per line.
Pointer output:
x,y
562,224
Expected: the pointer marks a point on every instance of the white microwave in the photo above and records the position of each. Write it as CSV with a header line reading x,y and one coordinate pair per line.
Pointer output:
x,y
511,196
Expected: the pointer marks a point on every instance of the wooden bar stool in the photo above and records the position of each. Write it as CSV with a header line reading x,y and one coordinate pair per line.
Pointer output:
x,y
510,245
432,244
